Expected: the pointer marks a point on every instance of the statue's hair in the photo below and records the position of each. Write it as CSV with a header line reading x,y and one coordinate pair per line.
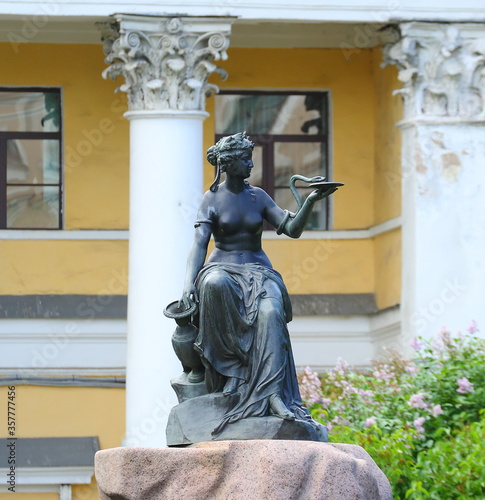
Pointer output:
x,y
224,152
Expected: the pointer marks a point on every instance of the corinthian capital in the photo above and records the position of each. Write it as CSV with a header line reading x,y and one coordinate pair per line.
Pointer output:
x,y
165,61
442,67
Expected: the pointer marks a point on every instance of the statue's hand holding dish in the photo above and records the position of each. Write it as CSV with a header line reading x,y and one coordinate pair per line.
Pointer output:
x,y
323,189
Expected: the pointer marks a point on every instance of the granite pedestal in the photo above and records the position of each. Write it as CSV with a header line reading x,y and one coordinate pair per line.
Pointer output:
x,y
241,470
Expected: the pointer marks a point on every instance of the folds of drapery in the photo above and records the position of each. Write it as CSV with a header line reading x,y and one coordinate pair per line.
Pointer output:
x,y
243,312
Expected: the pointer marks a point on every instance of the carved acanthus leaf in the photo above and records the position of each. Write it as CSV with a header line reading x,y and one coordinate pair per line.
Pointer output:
x,y
441,68
167,63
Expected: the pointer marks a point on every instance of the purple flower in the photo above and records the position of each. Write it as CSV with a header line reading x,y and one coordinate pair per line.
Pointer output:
x,y
464,386
417,401
310,386
444,334
384,374
417,345
370,421
473,328
436,410
418,424
341,367
411,369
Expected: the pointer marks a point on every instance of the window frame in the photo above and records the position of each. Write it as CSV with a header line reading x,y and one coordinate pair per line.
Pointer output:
x,y
267,143
6,136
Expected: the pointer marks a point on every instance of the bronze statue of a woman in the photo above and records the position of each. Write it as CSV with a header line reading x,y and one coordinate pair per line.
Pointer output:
x,y
243,304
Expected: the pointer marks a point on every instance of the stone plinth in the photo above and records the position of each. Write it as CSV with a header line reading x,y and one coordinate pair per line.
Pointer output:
x,y
241,470
184,429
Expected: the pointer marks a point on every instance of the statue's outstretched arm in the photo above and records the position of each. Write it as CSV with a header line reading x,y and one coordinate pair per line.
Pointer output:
x,y
293,224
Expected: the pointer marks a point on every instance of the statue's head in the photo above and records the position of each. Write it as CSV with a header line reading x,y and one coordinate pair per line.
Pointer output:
x,y
225,151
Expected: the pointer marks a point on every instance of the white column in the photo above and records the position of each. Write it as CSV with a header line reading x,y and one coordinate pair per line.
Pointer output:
x,y
166,62
443,175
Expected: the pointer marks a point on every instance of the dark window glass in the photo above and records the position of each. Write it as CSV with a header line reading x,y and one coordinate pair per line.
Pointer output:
x,y
290,130
30,158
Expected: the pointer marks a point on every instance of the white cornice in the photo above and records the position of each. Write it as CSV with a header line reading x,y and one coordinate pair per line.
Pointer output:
x,y
62,347
37,348
310,10
344,234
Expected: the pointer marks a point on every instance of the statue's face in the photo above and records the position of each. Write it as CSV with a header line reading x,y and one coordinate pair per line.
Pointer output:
x,y
241,164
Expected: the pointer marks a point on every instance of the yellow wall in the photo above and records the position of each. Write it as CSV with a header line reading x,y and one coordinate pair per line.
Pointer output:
x,y
387,199
324,266
366,156
95,133
352,115
69,412
63,267
387,251
365,150
337,266
388,111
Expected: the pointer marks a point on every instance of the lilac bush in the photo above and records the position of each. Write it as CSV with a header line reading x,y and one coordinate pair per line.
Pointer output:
x,y
402,411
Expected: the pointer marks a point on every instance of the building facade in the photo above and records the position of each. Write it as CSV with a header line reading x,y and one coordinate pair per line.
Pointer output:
x,y
100,182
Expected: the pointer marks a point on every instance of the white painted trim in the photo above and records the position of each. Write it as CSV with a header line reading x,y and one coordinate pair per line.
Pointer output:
x,y
319,340
65,348
39,347
385,227
54,476
115,235
31,328
79,234
32,488
445,120
64,372
344,234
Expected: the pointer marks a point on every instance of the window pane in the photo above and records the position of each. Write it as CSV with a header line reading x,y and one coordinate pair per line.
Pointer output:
x,y
304,158
29,111
257,172
285,199
32,207
31,161
271,114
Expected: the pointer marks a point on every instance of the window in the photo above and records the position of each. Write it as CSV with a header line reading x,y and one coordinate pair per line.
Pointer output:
x,y
290,132
30,158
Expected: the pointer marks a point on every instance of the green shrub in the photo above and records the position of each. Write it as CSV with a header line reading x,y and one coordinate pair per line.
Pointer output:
x,y
419,419
452,468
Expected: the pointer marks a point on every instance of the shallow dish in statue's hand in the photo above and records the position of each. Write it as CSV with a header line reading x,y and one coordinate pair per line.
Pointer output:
x,y
325,184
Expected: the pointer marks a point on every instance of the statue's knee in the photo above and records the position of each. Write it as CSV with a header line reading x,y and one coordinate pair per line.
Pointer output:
x,y
271,309
215,280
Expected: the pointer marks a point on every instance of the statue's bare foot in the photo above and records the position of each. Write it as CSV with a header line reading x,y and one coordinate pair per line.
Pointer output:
x,y
231,386
279,409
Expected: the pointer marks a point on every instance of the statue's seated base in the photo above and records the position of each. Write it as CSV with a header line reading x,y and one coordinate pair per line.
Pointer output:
x,y
241,470
194,420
